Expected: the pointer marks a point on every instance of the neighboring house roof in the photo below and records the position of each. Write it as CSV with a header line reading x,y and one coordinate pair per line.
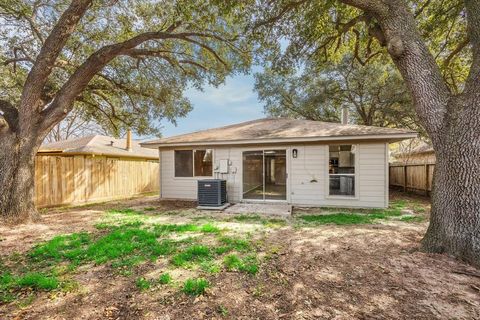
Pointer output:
x,y
276,130
422,148
99,145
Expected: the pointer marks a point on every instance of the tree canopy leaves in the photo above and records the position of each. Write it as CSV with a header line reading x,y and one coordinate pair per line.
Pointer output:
x,y
323,32
141,85
375,94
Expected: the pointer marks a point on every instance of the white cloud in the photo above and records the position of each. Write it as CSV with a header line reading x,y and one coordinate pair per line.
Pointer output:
x,y
231,92
233,102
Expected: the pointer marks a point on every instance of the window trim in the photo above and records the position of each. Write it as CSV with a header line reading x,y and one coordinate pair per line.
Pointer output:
x,y
193,177
327,168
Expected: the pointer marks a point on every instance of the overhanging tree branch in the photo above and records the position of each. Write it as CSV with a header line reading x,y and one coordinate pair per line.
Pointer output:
x,y
49,52
412,57
456,51
63,101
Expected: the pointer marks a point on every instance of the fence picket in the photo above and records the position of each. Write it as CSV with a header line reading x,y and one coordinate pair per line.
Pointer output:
x,y
78,179
412,177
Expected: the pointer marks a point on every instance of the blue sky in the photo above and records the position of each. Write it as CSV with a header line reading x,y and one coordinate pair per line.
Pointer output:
x,y
233,102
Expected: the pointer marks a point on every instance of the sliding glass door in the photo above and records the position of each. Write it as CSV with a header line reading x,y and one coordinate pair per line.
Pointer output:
x,y
265,175
253,175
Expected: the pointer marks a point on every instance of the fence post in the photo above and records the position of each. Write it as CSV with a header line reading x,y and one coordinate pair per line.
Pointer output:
x,y
426,179
404,178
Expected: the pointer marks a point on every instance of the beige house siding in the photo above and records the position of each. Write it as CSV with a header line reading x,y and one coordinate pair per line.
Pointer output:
x,y
307,182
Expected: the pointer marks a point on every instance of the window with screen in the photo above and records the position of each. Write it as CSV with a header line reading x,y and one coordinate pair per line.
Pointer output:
x,y
193,163
202,163
341,170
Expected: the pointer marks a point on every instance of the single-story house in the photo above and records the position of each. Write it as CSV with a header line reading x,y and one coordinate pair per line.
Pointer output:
x,y
300,162
93,168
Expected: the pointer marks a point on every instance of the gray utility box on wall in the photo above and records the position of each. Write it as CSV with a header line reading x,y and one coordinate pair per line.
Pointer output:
x,y
212,192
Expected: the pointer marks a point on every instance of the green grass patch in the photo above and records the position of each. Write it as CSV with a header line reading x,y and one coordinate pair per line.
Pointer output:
x,y
248,218
163,229
127,212
6,279
124,246
256,218
165,278
398,204
191,254
419,209
412,219
65,247
232,261
341,218
209,228
356,216
33,280
249,264
143,284
222,310
125,241
36,280
274,222
7,282
119,223
25,302
232,243
385,213
210,266
128,262
195,287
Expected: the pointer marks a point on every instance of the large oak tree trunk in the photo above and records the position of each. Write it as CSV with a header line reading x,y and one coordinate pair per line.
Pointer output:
x,y
17,172
455,217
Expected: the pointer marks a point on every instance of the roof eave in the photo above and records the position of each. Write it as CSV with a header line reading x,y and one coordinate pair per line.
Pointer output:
x,y
384,137
99,154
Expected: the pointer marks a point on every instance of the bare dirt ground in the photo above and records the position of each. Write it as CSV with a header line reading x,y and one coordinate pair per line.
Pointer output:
x,y
365,271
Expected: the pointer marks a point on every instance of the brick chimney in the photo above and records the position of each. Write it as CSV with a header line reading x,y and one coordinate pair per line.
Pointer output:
x,y
344,118
129,140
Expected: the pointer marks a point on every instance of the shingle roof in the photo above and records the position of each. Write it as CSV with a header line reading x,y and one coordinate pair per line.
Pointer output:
x,y
99,145
424,147
271,129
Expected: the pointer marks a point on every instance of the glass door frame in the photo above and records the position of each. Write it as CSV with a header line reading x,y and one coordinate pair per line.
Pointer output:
x,y
287,180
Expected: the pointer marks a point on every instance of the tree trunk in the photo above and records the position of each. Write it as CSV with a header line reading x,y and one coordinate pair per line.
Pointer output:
x,y
455,217
17,173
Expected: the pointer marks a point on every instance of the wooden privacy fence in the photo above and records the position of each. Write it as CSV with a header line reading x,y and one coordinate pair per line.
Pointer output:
x,y
78,179
412,177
